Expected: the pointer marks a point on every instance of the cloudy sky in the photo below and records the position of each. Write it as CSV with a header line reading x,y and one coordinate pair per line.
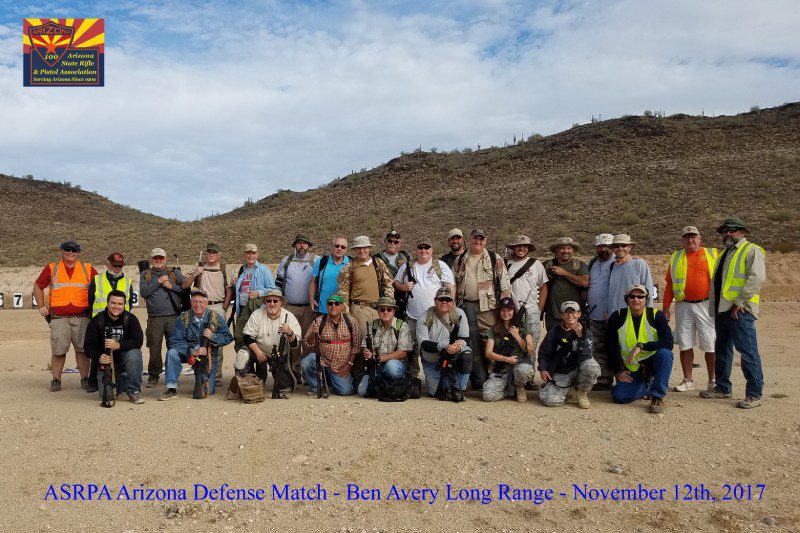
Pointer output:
x,y
208,103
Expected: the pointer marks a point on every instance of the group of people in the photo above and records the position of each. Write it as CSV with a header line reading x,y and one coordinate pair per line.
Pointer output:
x,y
375,321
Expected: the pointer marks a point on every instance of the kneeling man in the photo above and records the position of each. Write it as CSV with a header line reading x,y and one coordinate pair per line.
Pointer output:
x,y
391,343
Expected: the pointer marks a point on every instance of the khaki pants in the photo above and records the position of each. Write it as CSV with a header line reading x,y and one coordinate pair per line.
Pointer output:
x,y
159,328
305,316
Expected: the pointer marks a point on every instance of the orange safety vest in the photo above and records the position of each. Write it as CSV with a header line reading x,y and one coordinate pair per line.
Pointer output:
x,y
65,291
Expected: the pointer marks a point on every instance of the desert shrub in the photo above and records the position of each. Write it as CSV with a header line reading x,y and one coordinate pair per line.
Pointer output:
x,y
783,247
629,219
782,215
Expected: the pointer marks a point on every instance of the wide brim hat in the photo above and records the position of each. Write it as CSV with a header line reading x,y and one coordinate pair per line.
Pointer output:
x,y
385,301
250,247
362,241
622,238
565,241
274,292
733,223
300,237
521,240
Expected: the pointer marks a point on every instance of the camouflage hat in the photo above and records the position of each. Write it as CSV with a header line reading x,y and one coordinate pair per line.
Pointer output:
x,y
199,291
250,247
570,305
211,247
604,239
522,240
274,292
565,241
302,237
689,230
444,292
732,223
424,241
385,301
362,241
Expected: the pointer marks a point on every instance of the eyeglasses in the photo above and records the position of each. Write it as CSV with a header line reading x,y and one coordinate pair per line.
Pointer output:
x,y
334,304
71,250
444,300
385,309
636,296
392,241
158,258
423,247
340,246
273,301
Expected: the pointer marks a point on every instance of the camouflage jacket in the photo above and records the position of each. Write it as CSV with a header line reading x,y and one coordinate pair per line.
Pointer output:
x,y
486,276
385,287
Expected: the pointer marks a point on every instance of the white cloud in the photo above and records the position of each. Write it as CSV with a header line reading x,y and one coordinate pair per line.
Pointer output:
x,y
204,107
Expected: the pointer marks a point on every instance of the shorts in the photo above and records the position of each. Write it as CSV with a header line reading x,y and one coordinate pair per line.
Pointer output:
x,y
694,326
66,330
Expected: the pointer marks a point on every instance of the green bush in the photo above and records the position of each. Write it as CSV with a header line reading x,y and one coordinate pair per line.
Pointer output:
x,y
629,219
783,215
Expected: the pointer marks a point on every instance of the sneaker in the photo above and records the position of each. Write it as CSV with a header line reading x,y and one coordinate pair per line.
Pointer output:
x,y
520,394
657,406
683,386
168,395
135,398
748,403
714,393
92,387
84,383
152,383
55,385
583,400
710,385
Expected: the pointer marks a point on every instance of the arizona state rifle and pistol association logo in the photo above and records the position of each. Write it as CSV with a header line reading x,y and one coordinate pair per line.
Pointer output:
x,y
63,52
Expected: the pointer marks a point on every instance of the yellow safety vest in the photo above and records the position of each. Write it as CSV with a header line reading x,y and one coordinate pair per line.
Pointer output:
x,y
677,270
628,339
101,289
736,276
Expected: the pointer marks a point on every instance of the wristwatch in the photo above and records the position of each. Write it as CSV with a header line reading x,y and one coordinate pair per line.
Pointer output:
x,y
640,345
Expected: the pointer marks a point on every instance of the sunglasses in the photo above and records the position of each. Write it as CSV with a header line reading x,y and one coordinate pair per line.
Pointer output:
x,y
444,300
340,246
423,247
620,245
392,241
729,230
385,309
71,250
636,296
334,304
158,258
272,301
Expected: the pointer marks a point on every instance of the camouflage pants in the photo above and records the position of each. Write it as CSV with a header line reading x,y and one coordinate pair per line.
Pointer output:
x,y
598,329
583,378
500,386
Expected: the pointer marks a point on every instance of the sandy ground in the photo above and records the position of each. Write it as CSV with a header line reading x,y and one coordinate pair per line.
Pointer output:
x,y
66,438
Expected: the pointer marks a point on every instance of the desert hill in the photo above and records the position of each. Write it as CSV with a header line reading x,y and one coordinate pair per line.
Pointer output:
x,y
644,175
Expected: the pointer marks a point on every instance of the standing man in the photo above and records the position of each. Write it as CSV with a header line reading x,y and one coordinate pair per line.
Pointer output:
x,y
99,289
363,281
295,275
568,278
160,287
212,277
116,329
326,275
739,273
67,308
392,255
627,270
639,344
689,282
426,277
597,303
528,280
253,280
189,329
481,280
455,240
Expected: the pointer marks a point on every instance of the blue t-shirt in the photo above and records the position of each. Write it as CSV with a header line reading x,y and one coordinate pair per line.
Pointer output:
x,y
329,280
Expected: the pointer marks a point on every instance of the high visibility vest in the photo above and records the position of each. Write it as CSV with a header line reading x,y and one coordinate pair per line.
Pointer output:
x,y
736,276
628,338
101,289
65,291
677,270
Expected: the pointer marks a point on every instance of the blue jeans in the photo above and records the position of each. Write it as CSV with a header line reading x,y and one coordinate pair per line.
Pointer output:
x,y
742,335
391,371
174,365
129,377
638,388
339,385
432,377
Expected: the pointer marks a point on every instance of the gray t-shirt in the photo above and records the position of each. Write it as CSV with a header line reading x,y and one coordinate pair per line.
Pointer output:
x,y
598,289
635,271
298,277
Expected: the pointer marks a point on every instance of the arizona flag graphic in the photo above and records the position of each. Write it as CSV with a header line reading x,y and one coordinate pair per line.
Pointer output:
x,y
63,52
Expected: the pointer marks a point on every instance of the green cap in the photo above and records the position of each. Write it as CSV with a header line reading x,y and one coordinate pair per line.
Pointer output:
x,y
336,298
732,223
211,247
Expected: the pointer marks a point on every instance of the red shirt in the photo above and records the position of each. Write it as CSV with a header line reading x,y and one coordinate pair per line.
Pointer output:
x,y
43,281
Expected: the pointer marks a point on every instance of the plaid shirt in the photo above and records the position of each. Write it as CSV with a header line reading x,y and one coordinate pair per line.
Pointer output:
x,y
337,356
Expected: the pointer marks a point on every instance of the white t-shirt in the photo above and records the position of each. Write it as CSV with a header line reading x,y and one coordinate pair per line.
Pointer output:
x,y
425,286
528,283
265,330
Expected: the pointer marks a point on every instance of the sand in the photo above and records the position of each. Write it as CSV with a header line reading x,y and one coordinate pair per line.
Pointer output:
x,y
67,438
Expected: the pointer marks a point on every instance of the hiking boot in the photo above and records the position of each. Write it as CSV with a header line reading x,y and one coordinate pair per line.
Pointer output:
x,y
84,383
168,395
152,382
710,385
531,386
521,395
602,386
570,395
55,385
92,387
135,398
583,400
748,403
657,406
683,386
714,393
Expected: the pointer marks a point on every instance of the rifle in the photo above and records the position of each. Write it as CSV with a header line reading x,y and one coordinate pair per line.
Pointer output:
x,y
373,364
507,344
109,382
202,366
447,389
321,377
279,360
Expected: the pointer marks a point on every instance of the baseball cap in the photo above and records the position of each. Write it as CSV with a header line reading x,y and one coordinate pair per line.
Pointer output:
x,y
689,230
570,305
201,292
455,232
507,303
158,252
116,259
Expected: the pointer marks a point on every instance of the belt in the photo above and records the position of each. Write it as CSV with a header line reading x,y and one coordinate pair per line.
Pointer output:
x,y
215,302
695,301
471,301
335,342
362,302
85,314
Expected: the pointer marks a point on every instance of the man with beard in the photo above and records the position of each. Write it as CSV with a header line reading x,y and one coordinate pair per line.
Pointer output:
x,y
599,273
568,277
455,240
733,301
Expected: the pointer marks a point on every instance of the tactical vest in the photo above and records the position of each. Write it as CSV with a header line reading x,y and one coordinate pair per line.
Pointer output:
x,y
628,338
65,291
677,270
101,289
736,277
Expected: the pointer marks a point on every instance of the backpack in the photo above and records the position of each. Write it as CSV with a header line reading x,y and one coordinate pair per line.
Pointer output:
x,y
184,296
247,388
280,279
324,319
398,390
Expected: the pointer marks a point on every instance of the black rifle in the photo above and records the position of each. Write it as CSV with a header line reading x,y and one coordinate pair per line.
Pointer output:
x,y
279,365
448,387
322,379
202,366
109,383
373,363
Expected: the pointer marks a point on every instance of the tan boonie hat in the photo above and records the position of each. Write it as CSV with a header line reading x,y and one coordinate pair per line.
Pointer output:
x,y
274,292
622,238
444,291
570,305
689,230
362,241
521,240
201,292
455,232
637,287
386,302
250,247
158,252
565,241
604,239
